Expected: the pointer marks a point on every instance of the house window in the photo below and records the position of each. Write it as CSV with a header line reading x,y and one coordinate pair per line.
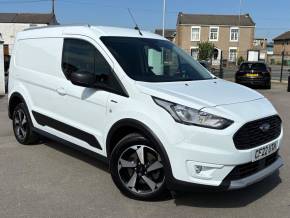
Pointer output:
x,y
213,33
233,54
194,53
195,33
234,34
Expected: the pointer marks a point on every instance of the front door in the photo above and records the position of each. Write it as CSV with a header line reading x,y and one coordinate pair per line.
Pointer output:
x,y
84,110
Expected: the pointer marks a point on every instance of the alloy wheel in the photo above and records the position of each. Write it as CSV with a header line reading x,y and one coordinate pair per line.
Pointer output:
x,y
20,124
141,170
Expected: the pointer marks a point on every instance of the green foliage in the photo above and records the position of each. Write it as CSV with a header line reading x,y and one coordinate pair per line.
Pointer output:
x,y
205,50
241,60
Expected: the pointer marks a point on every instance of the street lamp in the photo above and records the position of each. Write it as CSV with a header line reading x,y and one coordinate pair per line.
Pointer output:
x,y
163,18
240,12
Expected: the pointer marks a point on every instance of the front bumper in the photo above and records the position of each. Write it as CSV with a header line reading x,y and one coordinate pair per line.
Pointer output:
x,y
227,184
242,183
211,159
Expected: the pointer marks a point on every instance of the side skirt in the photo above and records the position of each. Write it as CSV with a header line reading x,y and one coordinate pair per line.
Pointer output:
x,y
67,129
72,145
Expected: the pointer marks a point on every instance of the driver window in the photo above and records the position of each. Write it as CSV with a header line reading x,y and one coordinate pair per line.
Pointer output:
x,y
80,55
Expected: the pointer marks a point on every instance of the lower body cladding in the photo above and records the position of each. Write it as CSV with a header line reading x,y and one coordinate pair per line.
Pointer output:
x,y
195,165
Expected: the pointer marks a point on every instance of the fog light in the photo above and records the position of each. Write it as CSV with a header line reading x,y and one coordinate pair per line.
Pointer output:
x,y
198,169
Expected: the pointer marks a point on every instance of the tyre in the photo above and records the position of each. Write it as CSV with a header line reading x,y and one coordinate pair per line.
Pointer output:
x,y
137,168
22,126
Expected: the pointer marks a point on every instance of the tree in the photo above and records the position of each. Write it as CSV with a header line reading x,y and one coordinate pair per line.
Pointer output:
x,y
240,60
205,50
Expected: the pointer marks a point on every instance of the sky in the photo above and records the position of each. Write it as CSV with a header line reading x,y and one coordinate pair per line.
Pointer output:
x,y
271,17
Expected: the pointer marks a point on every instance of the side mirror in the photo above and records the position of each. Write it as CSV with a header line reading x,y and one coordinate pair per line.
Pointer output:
x,y
83,78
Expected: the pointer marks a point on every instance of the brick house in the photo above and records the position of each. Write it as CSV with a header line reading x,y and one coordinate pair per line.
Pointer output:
x,y
282,43
232,35
169,34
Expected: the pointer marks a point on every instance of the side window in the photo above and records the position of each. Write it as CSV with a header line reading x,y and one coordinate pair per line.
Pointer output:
x,y
81,56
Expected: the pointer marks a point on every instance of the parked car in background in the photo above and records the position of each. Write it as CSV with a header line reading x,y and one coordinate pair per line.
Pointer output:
x,y
255,74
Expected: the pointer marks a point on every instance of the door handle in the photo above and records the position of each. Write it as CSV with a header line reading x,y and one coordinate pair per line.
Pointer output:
x,y
61,91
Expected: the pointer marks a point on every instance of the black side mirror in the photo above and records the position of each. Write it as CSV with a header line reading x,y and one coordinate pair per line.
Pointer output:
x,y
83,78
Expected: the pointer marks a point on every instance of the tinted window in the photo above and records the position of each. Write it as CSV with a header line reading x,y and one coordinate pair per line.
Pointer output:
x,y
81,56
153,60
253,66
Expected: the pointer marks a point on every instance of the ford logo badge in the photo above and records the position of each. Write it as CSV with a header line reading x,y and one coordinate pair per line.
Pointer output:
x,y
265,127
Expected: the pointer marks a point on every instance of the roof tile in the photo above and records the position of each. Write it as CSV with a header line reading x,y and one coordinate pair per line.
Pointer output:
x,y
206,19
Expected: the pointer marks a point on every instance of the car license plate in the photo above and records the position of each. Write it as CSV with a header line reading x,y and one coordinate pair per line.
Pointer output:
x,y
264,151
252,74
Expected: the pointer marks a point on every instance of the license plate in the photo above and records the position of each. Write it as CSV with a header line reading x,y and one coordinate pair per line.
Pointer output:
x,y
252,74
264,151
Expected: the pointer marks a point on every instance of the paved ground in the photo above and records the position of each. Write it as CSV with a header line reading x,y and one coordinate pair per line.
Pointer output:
x,y
50,180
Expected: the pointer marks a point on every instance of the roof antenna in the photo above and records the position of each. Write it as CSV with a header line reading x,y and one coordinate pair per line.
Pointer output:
x,y
136,25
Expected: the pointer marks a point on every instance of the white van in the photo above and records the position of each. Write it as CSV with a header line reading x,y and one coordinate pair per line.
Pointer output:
x,y
137,101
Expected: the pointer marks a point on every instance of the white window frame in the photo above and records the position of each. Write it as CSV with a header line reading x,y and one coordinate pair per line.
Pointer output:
x,y
233,48
218,32
194,47
234,28
195,27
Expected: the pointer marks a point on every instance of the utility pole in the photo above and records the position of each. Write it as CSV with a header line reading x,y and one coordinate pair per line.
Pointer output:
x,y
53,7
282,64
239,33
163,18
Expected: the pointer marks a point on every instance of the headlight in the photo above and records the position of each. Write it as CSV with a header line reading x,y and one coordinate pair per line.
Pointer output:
x,y
190,116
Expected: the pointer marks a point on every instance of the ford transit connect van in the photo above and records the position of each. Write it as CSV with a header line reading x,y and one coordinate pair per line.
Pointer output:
x,y
136,100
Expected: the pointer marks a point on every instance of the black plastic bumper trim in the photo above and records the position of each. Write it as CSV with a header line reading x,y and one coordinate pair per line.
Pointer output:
x,y
67,129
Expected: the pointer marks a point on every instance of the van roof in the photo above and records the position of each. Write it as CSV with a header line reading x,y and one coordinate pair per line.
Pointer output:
x,y
93,31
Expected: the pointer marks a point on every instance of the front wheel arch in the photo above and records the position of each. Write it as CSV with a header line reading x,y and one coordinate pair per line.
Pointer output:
x,y
127,126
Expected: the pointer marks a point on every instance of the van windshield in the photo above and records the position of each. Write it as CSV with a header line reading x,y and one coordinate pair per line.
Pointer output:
x,y
152,60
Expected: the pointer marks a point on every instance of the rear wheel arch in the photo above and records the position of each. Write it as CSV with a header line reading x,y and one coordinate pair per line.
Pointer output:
x,y
127,126
15,99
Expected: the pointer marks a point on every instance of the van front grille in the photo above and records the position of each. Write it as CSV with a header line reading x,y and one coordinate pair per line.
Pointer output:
x,y
253,134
